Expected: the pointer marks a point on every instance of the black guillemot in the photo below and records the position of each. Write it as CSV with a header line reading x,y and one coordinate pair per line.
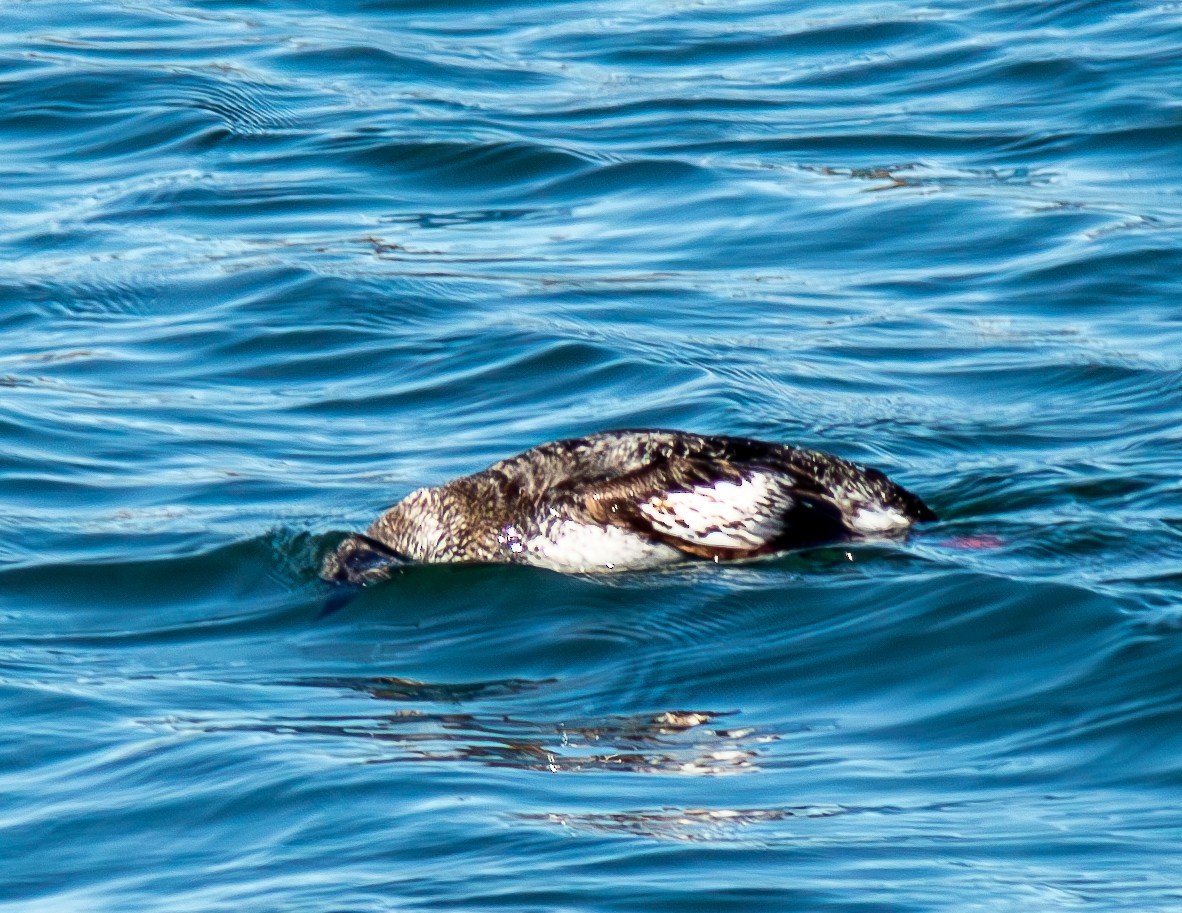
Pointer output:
x,y
628,500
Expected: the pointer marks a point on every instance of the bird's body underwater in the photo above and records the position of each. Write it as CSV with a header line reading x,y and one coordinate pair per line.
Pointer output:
x,y
628,500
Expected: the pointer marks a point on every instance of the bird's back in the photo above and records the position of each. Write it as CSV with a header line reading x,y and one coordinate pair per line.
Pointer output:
x,y
639,498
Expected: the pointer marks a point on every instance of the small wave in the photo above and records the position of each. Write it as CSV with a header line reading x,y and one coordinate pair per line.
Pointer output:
x,y
245,106
427,68
100,297
452,167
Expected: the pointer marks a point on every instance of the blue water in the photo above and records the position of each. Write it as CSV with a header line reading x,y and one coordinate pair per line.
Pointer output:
x,y
267,266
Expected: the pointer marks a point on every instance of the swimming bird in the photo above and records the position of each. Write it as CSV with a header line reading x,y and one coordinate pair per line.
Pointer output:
x,y
628,500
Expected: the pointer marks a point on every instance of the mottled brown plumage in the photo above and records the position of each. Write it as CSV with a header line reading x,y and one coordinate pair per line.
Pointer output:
x,y
633,499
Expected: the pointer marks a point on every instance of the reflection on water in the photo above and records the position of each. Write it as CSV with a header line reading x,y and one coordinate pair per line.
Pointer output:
x,y
673,741
703,825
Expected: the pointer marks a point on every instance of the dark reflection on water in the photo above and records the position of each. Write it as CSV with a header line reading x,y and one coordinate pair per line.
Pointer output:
x,y
632,744
267,266
688,824
391,688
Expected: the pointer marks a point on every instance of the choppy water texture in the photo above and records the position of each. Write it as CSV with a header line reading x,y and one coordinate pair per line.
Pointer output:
x,y
266,266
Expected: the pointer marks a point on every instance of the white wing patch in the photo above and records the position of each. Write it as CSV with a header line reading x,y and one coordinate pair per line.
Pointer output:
x,y
878,519
573,546
742,514
864,511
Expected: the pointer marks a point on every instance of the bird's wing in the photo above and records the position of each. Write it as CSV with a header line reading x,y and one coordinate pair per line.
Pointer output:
x,y
717,508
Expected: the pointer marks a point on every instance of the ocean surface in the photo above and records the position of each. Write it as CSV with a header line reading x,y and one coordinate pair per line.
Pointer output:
x,y
267,266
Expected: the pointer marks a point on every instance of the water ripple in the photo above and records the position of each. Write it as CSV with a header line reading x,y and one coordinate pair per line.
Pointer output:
x,y
265,267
